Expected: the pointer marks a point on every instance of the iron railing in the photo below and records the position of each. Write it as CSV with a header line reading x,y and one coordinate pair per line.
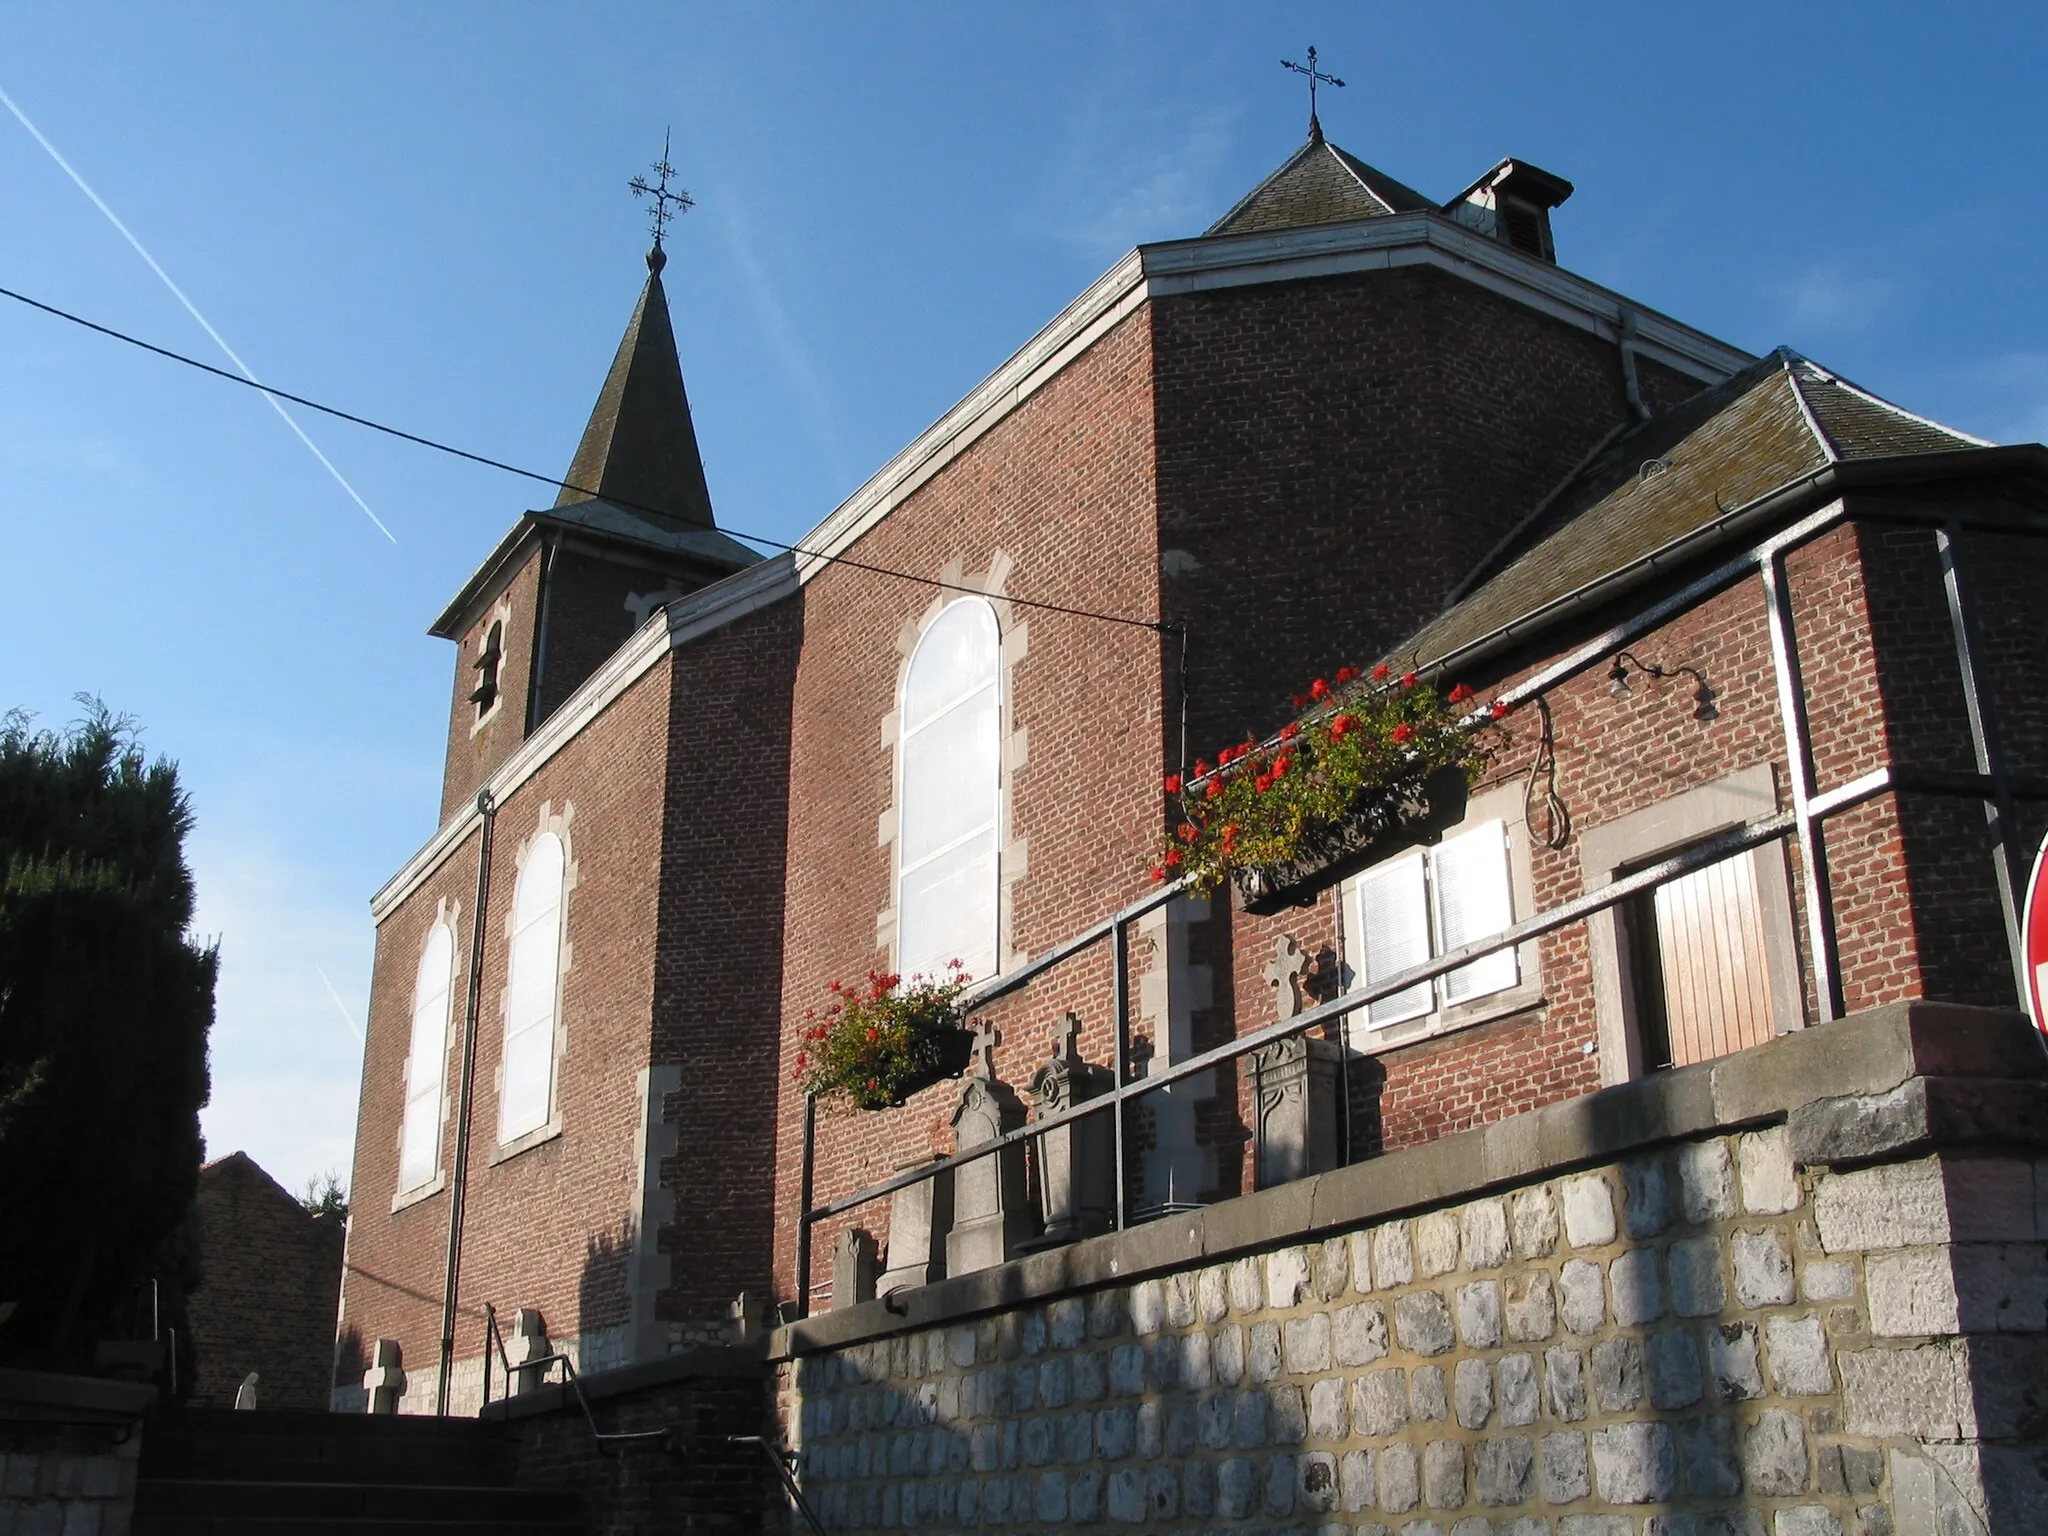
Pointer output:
x,y
1802,822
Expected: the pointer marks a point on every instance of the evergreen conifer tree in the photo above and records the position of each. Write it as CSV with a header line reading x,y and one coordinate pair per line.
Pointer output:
x,y
105,1005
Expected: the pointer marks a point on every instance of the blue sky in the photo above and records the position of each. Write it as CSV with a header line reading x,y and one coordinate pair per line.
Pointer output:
x,y
419,213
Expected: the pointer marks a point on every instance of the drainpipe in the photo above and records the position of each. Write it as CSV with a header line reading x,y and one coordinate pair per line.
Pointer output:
x,y
1629,381
536,671
465,1093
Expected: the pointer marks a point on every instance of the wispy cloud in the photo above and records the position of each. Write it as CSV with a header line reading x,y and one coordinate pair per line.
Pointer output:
x,y
1829,299
1125,172
192,310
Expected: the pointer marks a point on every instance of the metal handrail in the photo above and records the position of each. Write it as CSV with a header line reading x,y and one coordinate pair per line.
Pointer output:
x,y
571,1380
782,1470
1993,783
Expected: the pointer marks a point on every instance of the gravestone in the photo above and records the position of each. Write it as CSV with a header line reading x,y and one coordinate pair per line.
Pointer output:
x,y
920,1215
991,1219
384,1381
527,1349
1295,1081
853,1268
1076,1162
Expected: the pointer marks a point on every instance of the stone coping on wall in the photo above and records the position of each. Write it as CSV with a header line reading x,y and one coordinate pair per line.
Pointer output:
x,y
704,1361
1885,1083
49,1395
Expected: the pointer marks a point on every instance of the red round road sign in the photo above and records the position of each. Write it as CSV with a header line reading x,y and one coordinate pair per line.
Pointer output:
x,y
2034,940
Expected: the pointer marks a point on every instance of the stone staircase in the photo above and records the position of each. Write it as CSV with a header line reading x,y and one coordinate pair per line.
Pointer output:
x,y
214,1472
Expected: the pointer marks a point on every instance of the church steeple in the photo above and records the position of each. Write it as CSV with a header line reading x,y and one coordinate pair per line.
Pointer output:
x,y
640,449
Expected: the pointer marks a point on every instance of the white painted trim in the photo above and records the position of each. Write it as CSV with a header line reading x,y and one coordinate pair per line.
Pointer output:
x,y
703,611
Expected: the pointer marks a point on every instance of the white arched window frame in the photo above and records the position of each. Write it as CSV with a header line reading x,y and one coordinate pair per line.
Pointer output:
x,y
526,1089
950,795
419,1142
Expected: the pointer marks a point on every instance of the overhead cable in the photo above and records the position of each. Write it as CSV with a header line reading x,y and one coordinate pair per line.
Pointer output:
x,y
1156,625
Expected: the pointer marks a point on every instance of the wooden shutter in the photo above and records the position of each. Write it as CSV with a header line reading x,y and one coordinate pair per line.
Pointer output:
x,y
1710,954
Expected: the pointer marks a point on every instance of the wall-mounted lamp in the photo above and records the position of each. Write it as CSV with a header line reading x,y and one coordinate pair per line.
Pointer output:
x,y
1703,696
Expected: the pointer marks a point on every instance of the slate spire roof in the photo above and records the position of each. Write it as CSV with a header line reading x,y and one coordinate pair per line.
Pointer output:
x,y
640,448
1319,184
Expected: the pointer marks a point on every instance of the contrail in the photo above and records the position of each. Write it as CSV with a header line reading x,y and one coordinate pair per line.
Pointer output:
x,y
346,1017
193,310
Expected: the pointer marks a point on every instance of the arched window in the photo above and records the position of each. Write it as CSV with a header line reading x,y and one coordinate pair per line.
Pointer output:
x,y
526,1097
950,800
485,694
419,1145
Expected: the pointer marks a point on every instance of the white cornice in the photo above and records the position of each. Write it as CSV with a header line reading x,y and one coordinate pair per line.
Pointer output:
x,y
1230,261
709,608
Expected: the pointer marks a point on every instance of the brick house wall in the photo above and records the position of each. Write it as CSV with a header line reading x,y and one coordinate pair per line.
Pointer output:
x,y
475,752
272,1281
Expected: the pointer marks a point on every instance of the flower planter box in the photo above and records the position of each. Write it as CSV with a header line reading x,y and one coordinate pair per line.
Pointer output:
x,y
1412,814
943,1053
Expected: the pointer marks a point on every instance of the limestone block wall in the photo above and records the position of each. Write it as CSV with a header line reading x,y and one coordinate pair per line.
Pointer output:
x,y
1701,1335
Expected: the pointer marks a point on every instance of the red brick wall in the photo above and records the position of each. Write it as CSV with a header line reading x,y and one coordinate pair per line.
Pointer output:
x,y
546,1227
473,754
718,976
1064,488
272,1276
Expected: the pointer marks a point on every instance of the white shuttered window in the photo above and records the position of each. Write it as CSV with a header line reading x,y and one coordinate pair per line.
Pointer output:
x,y
526,1097
1402,912
950,799
419,1144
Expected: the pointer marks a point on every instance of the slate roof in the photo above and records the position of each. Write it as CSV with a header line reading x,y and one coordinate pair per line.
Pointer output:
x,y
1319,184
640,446
1778,420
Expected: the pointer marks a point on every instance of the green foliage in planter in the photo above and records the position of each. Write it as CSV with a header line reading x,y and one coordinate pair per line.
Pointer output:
x,y
871,1047
1363,750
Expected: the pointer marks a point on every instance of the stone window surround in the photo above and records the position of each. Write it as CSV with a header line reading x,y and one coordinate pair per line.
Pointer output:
x,y
560,824
1503,803
1012,849
501,615
1686,818
447,914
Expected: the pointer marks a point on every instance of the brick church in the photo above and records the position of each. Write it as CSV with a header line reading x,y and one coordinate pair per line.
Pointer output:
x,y
1728,601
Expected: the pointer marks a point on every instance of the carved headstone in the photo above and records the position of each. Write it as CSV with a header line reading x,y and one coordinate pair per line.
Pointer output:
x,y
1076,1162
991,1220
747,1317
1177,1168
384,1381
245,1394
853,1268
1294,1081
525,1351
920,1216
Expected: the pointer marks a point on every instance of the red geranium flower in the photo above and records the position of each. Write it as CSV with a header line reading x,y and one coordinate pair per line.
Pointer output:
x,y
1407,679
1460,694
1173,783
1172,859
1499,708
1343,726
873,1033
1300,700
1402,732
802,1060
1215,789
1201,769
1345,674
1289,731
1382,672
1280,766
1263,782
1189,831
1158,873
1319,689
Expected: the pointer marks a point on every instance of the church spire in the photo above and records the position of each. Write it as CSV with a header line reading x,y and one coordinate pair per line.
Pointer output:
x,y
640,448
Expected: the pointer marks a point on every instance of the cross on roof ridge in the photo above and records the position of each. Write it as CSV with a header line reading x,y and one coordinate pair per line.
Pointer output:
x,y
1315,127
667,205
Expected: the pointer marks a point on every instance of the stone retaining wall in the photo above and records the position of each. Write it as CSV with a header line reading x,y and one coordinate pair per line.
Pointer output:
x,y
1704,1334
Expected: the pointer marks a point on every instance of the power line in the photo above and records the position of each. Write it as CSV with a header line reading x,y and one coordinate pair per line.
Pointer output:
x,y
1157,626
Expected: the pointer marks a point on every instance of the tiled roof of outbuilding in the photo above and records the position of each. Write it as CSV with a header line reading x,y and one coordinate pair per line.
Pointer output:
x,y
1319,184
1776,421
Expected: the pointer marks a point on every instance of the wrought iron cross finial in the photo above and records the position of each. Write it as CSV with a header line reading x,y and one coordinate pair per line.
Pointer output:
x,y
1315,76
667,204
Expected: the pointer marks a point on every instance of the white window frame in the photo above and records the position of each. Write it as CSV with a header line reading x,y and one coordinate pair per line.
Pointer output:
x,y
998,825
549,1030
1684,819
1502,806
443,930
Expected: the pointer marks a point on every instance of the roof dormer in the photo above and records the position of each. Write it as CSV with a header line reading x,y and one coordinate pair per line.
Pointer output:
x,y
1511,203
